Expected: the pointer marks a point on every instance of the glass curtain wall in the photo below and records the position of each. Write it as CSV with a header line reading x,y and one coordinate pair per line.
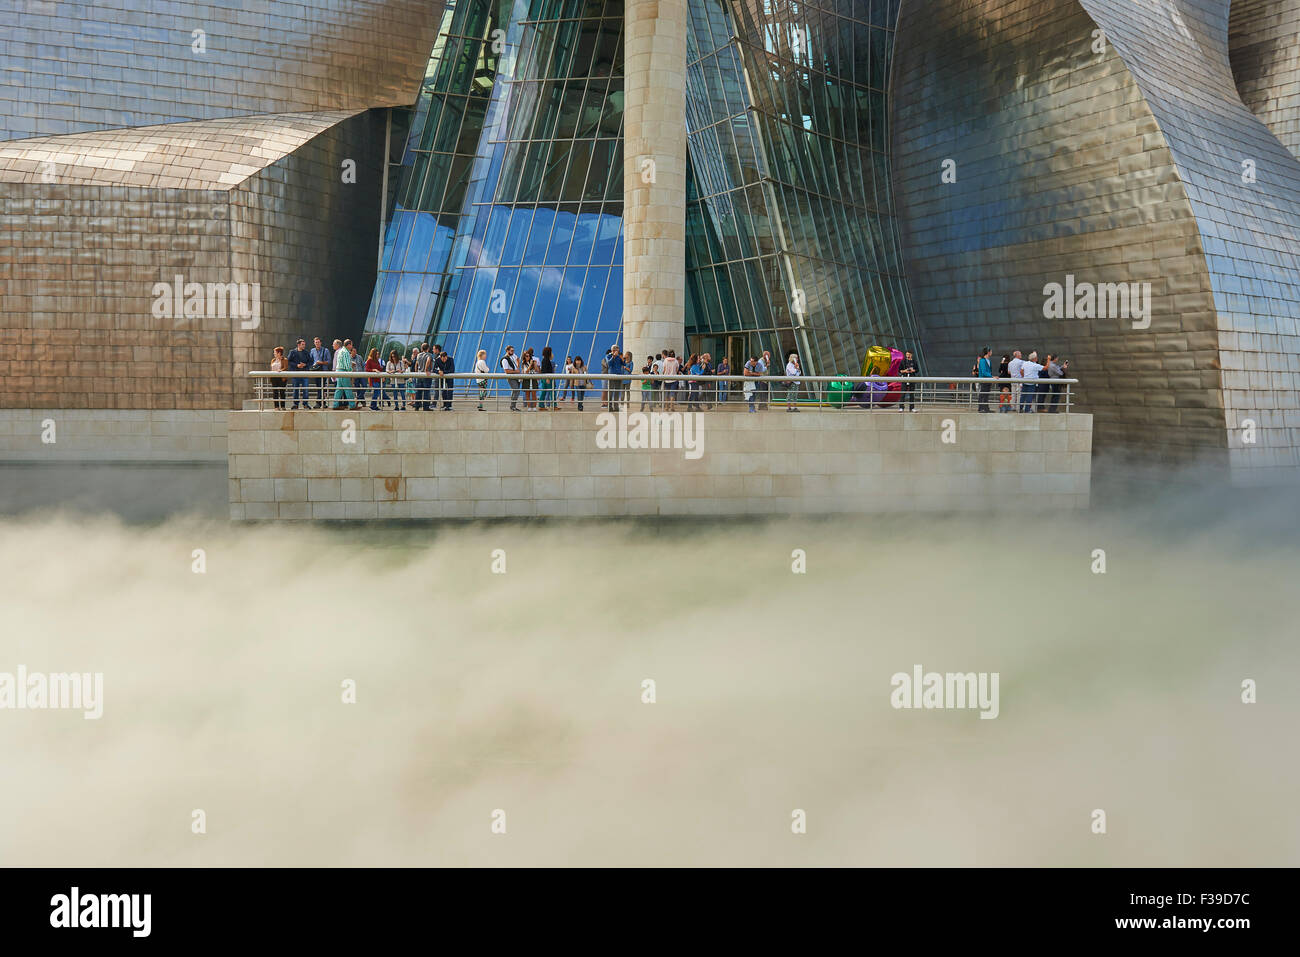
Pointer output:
x,y
506,225
791,238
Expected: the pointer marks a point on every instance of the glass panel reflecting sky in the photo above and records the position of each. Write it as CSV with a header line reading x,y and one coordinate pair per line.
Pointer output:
x,y
790,226
505,221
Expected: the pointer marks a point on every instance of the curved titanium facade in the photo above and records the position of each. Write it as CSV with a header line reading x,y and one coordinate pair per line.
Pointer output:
x,y
232,144
1264,47
507,221
72,67
1103,163
791,238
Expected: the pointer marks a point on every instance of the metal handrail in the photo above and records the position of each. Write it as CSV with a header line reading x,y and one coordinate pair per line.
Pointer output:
x,y
424,391
640,376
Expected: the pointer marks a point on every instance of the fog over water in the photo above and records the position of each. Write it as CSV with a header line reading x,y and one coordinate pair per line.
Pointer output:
x,y
522,691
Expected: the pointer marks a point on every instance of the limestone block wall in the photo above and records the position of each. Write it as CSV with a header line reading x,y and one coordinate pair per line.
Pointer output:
x,y
113,435
654,176
396,465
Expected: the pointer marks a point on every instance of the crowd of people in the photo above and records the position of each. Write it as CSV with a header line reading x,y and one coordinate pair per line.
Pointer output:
x,y
420,380
1031,388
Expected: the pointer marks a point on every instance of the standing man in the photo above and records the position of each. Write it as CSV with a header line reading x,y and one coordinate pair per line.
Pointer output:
x,y
423,366
343,384
299,361
444,365
1049,400
764,388
1013,370
1029,371
613,364
510,363
985,372
907,369
322,361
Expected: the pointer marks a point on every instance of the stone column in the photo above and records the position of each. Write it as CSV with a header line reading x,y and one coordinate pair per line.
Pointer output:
x,y
654,177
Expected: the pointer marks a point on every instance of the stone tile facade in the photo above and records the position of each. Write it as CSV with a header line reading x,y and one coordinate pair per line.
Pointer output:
x,y
654,196
298,465
72,436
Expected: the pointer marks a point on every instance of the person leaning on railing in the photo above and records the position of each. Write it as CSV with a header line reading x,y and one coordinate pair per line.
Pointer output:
x,y
750,372
279,364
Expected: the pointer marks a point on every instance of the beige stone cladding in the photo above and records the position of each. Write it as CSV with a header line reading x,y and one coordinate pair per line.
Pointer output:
x,y
112,435
654,176
299,465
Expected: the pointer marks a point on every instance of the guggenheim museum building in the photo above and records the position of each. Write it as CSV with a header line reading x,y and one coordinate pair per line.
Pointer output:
x,y
1113,181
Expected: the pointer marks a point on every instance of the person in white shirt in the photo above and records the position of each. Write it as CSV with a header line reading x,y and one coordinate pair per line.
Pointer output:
x,y
670,367
792,383
510,363
566,385
1029,370
1013,370
481,367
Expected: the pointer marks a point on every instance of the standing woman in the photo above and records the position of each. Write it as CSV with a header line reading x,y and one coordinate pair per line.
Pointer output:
x,y
580,384
278,364
481,368
693,368
526,364
707,387
393,388
548,384
374,365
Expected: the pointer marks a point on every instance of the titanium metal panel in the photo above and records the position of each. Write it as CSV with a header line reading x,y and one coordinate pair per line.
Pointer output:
x,y
1119,161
